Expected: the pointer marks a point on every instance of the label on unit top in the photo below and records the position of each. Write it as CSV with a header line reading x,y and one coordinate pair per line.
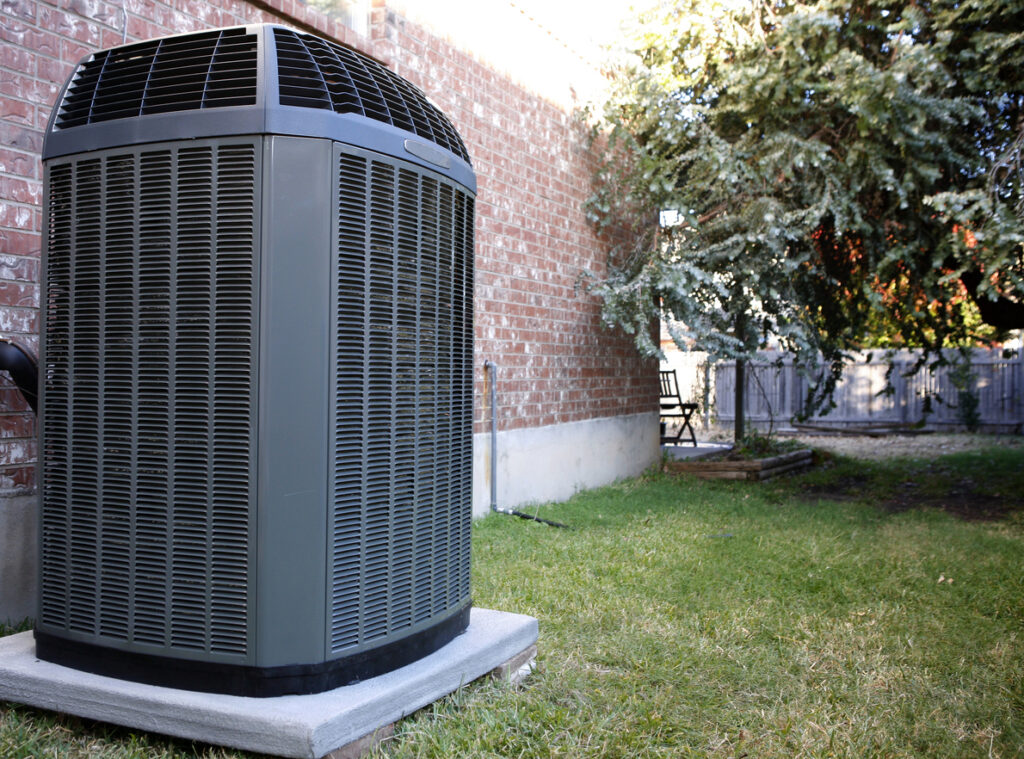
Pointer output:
x,y
429,153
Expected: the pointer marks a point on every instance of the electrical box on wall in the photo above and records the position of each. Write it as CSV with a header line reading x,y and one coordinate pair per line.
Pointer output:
x,y
256,359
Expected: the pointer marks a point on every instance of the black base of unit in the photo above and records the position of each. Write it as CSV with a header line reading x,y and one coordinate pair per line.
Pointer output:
x,y
258,682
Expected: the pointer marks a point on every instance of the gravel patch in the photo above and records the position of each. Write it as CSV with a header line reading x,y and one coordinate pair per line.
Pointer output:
x,y
912,446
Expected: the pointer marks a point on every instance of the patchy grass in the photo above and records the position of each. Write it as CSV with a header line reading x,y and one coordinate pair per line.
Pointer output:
x,y
983,484
800,618
17,627
687,618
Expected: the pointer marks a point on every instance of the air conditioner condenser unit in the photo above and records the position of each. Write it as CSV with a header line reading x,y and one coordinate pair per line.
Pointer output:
x,y
256,359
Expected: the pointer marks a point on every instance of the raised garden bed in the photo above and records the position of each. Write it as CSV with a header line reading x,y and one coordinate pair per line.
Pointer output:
x,y
744,469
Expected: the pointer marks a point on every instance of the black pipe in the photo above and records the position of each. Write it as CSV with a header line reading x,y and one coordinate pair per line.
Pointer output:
x,y
534,518
21,364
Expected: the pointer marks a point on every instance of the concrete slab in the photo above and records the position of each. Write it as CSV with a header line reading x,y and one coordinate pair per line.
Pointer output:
x,y
309,727
688,452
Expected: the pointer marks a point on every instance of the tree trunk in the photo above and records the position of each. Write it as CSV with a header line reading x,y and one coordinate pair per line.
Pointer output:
x,y
740,422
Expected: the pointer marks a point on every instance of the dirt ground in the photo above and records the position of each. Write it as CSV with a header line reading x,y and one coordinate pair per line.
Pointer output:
x,y
925,485
916,446
922,445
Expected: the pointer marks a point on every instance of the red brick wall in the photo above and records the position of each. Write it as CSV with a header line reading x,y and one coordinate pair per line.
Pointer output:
x,y
557,363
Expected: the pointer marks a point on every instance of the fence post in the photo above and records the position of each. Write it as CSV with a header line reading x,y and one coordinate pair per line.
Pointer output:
x,y
707,392
899,384
795,396
1017,387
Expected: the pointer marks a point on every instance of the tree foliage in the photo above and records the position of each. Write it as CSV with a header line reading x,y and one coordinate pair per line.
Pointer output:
x,y
840,169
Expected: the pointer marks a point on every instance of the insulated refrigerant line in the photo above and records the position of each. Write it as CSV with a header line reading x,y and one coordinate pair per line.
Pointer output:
x,y
23,367
492,370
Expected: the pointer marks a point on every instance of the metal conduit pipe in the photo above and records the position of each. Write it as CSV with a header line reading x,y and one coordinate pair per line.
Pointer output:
x,y
492,371
492,383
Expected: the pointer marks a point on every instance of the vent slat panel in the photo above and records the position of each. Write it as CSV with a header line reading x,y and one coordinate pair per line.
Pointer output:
x,y
85,485
402,435
315,73
431,561
148,388
116,557
57,442
233,361
462,411
381,324
350,424
448,493
406,348
156,242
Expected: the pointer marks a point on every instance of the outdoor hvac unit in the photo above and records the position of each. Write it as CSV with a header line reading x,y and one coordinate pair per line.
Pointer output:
x,y
257,358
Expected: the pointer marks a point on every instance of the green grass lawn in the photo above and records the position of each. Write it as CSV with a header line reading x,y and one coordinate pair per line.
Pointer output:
x,y
861,610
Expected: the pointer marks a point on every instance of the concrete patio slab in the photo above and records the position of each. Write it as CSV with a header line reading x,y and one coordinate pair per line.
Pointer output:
x,y
685,452
309,726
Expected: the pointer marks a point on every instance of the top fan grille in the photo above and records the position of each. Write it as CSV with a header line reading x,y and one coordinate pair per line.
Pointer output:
x,y
189,72
314,73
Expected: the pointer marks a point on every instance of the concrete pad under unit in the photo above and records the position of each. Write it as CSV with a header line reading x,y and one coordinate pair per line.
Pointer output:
x,y
309,726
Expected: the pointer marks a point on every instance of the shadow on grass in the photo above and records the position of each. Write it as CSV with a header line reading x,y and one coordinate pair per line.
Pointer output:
x,y
977,486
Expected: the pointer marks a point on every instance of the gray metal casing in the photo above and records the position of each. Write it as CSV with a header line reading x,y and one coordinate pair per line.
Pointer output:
x,y
327,514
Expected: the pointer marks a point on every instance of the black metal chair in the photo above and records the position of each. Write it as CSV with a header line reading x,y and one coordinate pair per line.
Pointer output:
x,y
672,407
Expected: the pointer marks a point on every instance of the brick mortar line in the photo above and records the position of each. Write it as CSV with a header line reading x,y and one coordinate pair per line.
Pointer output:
x,y
20,151
20,204
19,178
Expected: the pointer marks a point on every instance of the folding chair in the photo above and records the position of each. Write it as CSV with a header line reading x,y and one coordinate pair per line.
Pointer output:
x,y
672,407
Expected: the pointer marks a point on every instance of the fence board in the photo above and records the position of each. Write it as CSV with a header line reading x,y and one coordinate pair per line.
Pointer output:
x,y
775,394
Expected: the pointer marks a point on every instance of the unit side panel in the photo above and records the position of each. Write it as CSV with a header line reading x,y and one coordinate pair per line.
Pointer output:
x,y
400,430
148,431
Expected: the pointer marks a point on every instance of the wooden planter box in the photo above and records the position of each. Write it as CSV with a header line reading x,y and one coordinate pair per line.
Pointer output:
x,y
761,469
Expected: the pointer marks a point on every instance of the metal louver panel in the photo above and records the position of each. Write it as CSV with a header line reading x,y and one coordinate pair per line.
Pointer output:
x,y
148,390
184,73
402,421
315,73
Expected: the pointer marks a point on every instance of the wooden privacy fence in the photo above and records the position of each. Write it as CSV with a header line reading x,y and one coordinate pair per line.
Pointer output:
x,y
778,392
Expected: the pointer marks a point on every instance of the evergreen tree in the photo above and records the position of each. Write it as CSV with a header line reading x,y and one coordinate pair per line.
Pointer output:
x,y
839,170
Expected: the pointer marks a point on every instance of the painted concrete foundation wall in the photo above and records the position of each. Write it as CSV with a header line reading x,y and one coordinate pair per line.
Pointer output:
x,y
18,550
545,464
